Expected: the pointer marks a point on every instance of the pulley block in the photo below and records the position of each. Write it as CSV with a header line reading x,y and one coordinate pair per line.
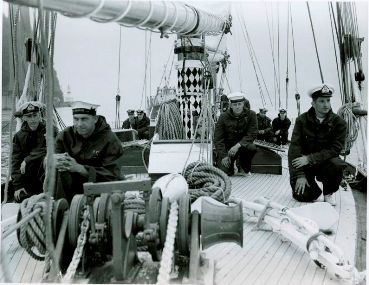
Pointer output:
x,y
59,208
75,218
220,223
155,201
182,234
163,223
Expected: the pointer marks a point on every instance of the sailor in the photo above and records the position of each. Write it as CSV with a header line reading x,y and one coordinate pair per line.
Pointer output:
x,y
234,134
264,126
280,126
131,121
143,124
29,150
88,151
317,141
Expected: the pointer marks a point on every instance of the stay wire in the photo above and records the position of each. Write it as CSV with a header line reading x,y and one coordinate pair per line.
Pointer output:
x,y
287,43
315,44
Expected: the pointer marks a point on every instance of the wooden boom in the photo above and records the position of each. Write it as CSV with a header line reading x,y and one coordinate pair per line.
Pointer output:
x,y
162,16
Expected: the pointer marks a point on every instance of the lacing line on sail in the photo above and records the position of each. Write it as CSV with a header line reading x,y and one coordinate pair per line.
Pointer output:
x,y
88,14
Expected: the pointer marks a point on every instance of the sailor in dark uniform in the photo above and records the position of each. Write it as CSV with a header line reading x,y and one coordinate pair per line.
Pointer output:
x,y
88,151
143,124
29,150
317,141
264,126
131,121
235,131
280,126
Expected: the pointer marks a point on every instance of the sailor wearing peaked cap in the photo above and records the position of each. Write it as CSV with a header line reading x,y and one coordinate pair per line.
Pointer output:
x,y
130,112
80,107
282,110
29,107
322,90
236,97
263,110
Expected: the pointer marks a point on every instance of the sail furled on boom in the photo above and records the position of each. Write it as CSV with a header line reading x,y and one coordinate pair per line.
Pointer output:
x,y
160,16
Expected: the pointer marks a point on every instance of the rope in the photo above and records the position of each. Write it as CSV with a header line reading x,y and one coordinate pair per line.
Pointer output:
x,y
169,122
206,180
168,250
345,112
147,56
14,22
134,203
287,54
32,234
117,97
316,48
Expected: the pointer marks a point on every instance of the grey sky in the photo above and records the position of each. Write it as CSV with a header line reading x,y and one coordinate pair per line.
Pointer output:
x,y
86,55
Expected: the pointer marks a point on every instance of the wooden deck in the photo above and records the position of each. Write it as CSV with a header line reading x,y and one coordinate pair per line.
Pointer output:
x,y
265,258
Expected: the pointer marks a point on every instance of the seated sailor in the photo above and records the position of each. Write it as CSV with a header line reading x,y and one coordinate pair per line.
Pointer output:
x,y
317,140
29,150
234,134
88,151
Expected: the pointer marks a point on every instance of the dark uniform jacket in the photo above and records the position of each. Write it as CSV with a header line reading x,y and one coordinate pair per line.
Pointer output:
x,y
319,141
264,123
230,130
100,153
127,124
143,127
282,125
28,146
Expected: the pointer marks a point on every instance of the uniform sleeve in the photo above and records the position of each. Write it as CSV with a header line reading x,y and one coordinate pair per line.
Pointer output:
x,y
110,169
126,124
145,126
59,143
17,159
252,130
336,145
219,134
295,149
286,125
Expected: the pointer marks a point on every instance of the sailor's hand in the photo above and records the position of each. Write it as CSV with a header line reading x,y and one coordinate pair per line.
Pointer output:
x,y
300,161
232,152
301,183
23,167
261,132
73,166
20,194
61,163
226,162
278,132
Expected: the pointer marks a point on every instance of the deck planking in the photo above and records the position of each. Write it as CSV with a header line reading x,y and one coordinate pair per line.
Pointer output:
x,y
266,258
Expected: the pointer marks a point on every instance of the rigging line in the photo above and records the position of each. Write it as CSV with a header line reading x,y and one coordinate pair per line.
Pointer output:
x,y
316,48
279,65
332,21
165,66
288,35
339,72
273,57
50,177
294,51
119,58
239,63
247,40
170,70
13,20
259,68
147,54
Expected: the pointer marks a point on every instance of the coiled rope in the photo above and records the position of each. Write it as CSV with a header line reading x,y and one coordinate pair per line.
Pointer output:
x,y
134,203
206,180
32,234
345,112
169,124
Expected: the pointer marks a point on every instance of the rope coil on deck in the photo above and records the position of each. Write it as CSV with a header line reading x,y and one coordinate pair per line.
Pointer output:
x,y
169,123
32,234
206,180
